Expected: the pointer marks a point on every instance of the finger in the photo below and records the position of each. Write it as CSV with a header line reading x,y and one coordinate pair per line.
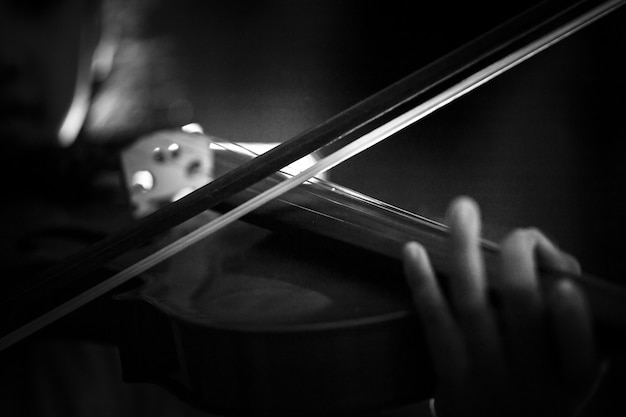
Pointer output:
x,y
549,256
468,282
468,287
444,340
573,331
522,304
571,319
518,283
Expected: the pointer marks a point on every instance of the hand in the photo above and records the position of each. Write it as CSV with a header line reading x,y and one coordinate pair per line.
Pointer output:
x,y
532,356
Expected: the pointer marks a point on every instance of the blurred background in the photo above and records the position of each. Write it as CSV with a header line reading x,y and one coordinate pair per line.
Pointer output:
x,y
541,145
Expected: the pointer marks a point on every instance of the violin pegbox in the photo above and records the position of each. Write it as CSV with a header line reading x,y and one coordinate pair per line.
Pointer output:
x,y
164,166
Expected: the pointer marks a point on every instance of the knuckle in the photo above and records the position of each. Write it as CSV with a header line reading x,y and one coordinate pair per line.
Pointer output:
x,y
515,239
522,238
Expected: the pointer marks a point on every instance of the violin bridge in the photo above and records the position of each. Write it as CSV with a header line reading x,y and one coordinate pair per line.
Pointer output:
x,y
164,166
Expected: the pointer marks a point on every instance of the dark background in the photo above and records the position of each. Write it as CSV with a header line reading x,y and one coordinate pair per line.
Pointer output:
x,y
541,145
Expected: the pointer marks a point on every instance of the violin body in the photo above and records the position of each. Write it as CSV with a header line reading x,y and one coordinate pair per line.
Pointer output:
x,y
253,321
277,324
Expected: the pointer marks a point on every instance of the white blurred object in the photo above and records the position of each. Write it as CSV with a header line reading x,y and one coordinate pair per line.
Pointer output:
x,y
164,166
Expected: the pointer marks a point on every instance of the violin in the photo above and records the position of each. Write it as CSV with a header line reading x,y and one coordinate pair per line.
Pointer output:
x,y
295,294
260,363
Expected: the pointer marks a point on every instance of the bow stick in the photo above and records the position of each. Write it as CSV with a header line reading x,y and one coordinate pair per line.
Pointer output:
x,y
356,129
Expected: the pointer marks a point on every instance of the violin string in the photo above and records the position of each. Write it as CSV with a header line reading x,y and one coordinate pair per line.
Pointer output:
x,y
413,218
330,161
